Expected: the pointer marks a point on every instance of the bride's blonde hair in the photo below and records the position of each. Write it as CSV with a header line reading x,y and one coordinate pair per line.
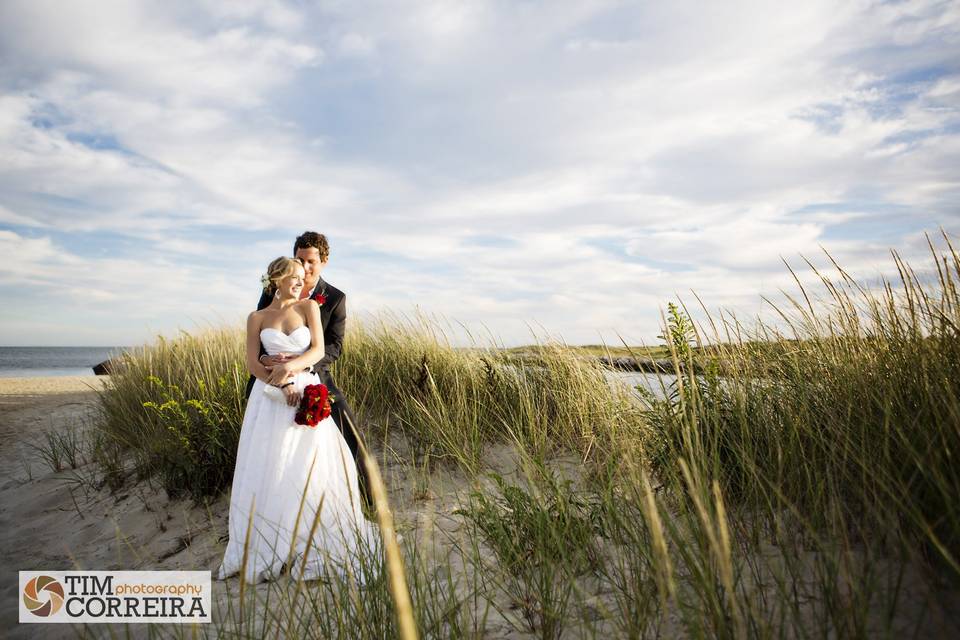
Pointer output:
x,y
277,270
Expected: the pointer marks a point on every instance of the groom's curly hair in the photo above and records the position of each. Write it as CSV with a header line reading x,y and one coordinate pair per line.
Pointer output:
x,y
312,239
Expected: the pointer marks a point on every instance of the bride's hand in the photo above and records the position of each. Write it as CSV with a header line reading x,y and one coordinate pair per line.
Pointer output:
x,y
292,395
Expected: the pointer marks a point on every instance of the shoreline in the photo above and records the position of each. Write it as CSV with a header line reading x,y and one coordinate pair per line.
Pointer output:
x,y
76,372
50,385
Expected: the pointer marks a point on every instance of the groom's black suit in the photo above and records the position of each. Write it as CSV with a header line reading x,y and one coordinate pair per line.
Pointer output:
x,y
333,318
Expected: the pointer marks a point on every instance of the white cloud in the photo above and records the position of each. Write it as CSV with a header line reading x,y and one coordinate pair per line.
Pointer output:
x,y
10,217
141,47
571,163
356,45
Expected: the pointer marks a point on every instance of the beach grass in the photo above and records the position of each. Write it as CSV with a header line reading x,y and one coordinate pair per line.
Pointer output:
x,y
174,409
798,479
453,402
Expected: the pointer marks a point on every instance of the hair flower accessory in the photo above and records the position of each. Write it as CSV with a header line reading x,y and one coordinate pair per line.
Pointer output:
x,y
264,281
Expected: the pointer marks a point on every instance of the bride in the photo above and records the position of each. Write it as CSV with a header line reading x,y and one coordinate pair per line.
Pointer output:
x,y
291,478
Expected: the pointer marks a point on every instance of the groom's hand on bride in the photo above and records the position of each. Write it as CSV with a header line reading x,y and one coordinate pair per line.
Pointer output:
x,y
280,373
271,361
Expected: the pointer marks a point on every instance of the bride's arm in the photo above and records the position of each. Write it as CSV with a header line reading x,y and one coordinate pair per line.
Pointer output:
x,y
314,354
254,365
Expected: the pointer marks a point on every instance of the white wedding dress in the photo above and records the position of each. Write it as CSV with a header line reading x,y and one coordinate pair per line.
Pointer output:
x,y
274,461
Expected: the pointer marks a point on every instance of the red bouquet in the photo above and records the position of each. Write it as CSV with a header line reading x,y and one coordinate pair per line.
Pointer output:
x,y
314,405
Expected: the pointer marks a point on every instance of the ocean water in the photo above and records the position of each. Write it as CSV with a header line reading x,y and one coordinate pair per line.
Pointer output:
x,y
654,382
35,362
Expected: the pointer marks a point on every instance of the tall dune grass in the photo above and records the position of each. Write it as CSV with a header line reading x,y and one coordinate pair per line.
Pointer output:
x,y
848,414
799,480
454,402
175,409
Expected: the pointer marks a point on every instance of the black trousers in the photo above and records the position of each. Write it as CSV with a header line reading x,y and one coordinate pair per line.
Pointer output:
x,y
343,417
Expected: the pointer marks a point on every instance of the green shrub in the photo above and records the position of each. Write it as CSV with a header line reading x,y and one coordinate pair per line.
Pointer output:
x,y
175,408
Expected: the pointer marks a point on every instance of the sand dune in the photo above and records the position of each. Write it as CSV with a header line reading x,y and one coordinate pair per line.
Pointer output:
x,y
53,520
61,520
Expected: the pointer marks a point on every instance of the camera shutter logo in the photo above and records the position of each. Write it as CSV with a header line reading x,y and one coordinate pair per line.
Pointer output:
x,y
43,596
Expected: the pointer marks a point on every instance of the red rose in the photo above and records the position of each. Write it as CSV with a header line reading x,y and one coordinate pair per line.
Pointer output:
x,y
314,405
320,299
325,412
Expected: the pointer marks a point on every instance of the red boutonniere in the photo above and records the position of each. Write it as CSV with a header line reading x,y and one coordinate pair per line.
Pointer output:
x,y
320,299
314,405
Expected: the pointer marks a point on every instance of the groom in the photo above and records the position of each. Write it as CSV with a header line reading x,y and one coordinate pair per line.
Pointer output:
x,y
314,251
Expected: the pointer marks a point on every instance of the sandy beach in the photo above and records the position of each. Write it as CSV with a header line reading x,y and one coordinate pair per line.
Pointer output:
x,y
53,520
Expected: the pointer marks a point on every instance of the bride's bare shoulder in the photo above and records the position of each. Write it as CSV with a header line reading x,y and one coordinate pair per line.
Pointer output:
x,y
307,308
255,318
302,305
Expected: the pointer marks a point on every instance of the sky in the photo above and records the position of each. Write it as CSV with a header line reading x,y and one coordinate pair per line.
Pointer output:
x,y
526,170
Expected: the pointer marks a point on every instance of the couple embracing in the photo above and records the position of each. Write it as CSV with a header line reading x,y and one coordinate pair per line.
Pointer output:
x,y
298,491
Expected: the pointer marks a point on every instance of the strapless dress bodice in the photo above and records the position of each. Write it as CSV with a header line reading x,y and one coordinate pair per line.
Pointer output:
x,y
275,341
